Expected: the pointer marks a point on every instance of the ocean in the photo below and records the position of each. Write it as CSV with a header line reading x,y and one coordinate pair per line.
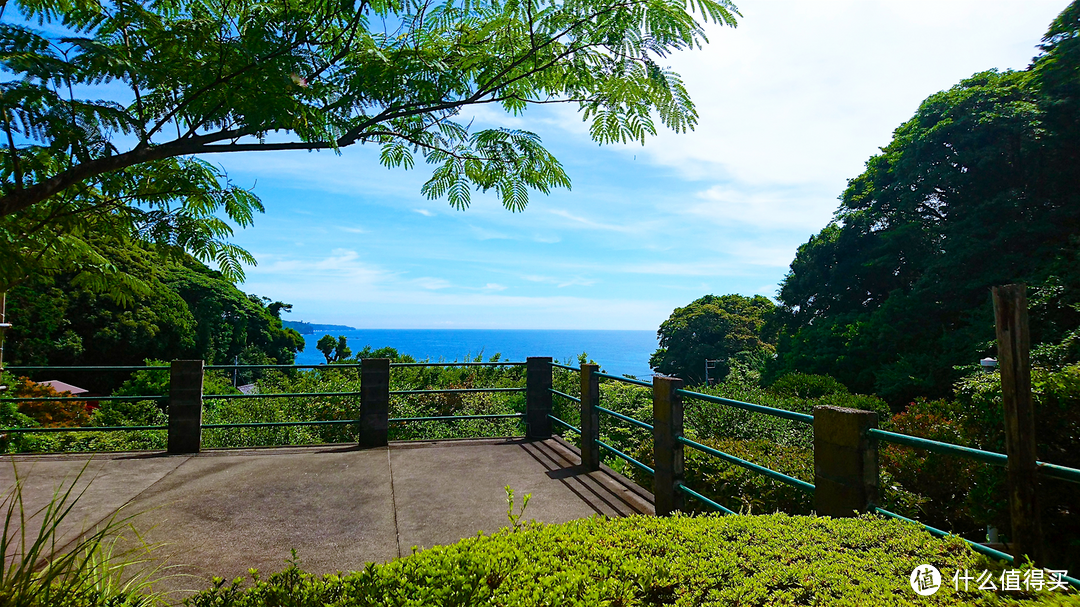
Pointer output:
x,y
617,352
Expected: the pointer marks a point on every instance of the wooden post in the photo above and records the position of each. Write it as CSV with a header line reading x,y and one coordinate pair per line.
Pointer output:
x,y
590,417
667,450
185,406
1011,319
374,402
538,397
845,461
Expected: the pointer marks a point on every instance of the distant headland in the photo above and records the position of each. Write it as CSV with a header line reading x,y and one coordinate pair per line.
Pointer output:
x,y
307,328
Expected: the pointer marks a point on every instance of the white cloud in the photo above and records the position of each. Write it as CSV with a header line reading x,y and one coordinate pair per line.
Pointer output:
x,y
432,284
486,234
771,209
582,222
424,212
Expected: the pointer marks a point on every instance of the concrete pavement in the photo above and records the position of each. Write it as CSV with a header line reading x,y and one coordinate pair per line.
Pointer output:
x,y
222,512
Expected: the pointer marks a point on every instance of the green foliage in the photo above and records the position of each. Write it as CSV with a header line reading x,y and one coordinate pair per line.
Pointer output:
x,y
632,561
806,385
220,76
190,311
964,496
714,328
977,189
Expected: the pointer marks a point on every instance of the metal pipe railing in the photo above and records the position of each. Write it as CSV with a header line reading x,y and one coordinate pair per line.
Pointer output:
x,y
783,413
564,395
773,474
625,418
624,456
626,380
701,498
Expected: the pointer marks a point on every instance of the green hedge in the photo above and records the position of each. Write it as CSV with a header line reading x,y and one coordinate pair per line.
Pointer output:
x,y
736,560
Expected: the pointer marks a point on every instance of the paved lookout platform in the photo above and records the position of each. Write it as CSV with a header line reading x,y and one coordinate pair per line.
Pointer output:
x,y
222,512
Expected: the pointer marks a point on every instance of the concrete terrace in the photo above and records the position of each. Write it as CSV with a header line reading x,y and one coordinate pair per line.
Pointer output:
x,y
221,512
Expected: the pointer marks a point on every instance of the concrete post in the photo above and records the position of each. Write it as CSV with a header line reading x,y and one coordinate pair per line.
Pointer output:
x,y
185,406
845,461
374,402
590,417
667,451
538,397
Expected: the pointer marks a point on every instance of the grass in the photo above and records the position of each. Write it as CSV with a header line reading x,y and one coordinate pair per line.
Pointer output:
x,y
40,568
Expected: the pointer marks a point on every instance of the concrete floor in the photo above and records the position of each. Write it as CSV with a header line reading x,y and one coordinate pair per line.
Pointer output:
x,y
222,512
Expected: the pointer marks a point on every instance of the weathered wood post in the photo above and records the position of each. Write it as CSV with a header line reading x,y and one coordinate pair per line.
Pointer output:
x,y
845,461
590,417
185,406
538,397
1014,342
667,450
374,402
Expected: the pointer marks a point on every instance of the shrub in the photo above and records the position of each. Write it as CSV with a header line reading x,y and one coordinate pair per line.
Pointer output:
x,y
49,414
806,386
683,561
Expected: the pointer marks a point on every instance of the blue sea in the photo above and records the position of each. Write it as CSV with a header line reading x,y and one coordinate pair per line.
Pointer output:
x,y
616,351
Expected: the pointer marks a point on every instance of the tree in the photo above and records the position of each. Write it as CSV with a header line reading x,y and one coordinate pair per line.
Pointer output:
x,y
979,188
713,328
189,311
333,350
211,77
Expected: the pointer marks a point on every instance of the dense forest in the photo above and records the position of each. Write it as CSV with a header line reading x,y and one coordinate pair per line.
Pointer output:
x,y
888,307
183,309
980,188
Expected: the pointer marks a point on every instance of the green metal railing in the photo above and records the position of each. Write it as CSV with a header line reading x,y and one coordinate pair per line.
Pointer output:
x,y
625,380
259,396
277,395
989,457
997,459
79,398
83,429
625,457
782,413
773,474
564,424
701,498
455,391
91,368
437,418
629,420
567,367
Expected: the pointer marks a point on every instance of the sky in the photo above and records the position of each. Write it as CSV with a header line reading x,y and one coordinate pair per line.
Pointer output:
x,y
792,103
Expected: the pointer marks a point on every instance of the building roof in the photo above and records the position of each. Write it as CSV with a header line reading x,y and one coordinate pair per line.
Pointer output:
x,y
60,386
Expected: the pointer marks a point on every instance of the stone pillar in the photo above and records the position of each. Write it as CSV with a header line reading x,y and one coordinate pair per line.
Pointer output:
x,y
538,397
667,451
1014,360
845,461
374,402
185,406
590,417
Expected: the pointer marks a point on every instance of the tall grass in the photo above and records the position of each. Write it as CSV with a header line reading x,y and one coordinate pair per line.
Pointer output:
x,y
98,568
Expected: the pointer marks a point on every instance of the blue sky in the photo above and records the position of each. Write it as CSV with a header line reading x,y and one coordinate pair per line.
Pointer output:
x,y
792,103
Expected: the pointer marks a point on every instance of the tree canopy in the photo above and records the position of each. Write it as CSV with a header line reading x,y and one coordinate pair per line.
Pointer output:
x,y
979,188
713,328
109,104
190,311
